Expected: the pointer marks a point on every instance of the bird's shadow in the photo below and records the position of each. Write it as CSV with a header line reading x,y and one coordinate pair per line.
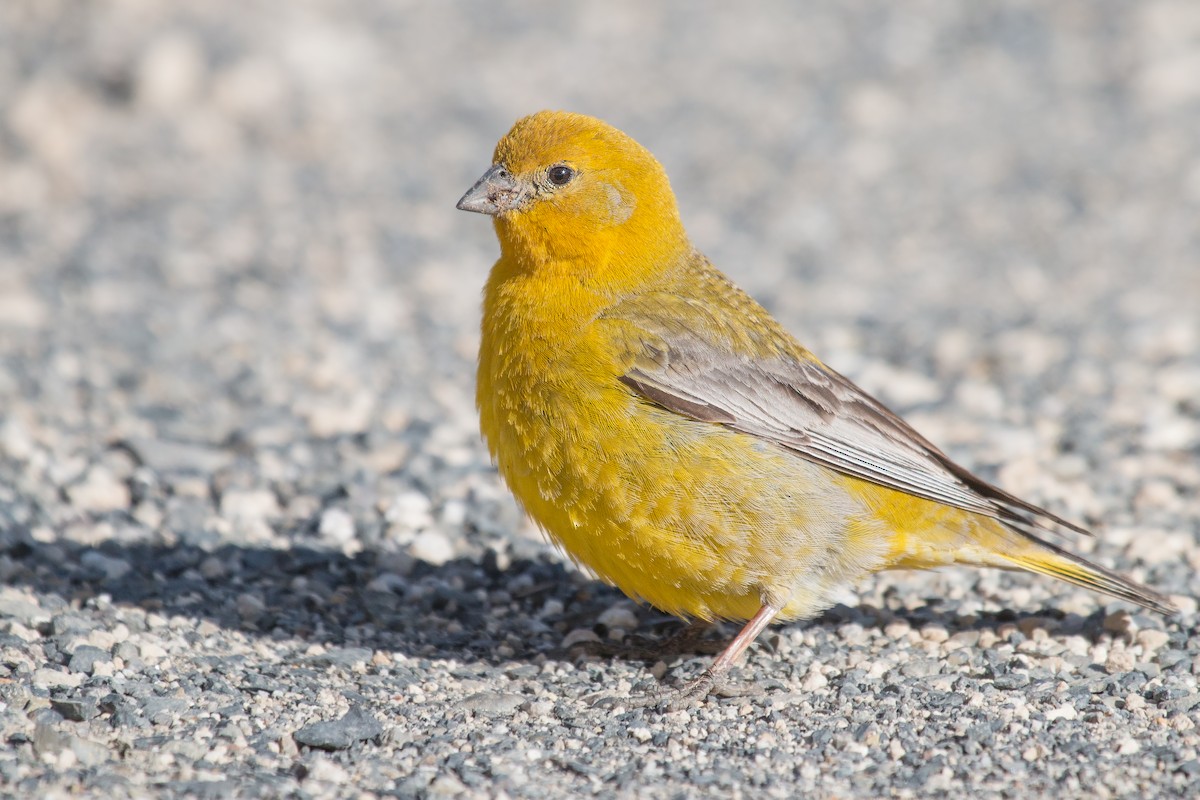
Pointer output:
x,y
467,610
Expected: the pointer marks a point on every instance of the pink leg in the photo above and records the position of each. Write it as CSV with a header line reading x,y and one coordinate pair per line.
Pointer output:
x,y
697,690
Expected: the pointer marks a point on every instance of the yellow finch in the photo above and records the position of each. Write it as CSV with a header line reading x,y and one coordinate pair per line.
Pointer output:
x,y
672,437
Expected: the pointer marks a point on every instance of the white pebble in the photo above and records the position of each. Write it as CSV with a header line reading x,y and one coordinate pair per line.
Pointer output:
x,y
100,491
52,677
341,418
101,638
249,505
432,547
336,525
15,440
454,513
642,734
1152,640
171,72
1066,711
150,651
411,510
323,770
619,615
814,680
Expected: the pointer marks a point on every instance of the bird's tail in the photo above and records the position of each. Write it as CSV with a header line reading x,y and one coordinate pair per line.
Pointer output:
x,y
929,536
1045,558
985,542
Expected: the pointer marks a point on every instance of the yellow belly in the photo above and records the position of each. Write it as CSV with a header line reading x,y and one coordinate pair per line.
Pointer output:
x,y
693,518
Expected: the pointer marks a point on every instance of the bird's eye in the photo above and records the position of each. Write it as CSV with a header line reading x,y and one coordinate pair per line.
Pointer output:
x,y
560,175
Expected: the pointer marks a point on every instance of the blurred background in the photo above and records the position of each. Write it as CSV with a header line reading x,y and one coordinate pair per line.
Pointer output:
x,y
233,283
238,308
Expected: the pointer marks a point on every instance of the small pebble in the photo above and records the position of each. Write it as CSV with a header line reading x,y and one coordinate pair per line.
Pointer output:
x,y
619,616
493,703
355,725
432,547
336,525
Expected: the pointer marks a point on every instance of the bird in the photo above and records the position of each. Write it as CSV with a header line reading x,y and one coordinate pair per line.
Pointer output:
x,y
668,434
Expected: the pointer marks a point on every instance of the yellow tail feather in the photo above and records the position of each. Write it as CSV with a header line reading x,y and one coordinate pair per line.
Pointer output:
x,y
1057,563
929,536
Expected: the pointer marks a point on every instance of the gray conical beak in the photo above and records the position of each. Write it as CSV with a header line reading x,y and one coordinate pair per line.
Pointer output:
x,y
495,193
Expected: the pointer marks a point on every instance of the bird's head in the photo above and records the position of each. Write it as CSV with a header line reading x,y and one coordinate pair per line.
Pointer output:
x,y
568,187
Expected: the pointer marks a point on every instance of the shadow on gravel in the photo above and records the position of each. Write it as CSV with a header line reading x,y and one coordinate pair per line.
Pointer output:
x,y
462,609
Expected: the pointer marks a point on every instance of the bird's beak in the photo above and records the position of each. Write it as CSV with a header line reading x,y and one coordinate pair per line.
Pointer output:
x,y
494,193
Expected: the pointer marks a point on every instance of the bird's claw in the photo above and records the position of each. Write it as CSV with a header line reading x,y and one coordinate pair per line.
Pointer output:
x,y
692,693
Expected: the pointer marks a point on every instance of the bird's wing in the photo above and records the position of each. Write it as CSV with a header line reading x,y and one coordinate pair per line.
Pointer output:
x,y
804,406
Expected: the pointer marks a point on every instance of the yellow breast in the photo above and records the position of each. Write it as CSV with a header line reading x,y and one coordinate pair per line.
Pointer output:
x,y
695,519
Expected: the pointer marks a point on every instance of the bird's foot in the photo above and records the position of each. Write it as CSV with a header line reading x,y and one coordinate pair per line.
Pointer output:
x,y
692,693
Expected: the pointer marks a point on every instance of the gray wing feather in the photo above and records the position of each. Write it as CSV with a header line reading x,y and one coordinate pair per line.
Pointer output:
x,y
817,413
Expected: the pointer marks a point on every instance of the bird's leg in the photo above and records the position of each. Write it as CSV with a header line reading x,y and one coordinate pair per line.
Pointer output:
x,y
696,691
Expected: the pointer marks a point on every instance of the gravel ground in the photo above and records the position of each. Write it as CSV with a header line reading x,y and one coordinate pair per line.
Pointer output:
x,y
251,545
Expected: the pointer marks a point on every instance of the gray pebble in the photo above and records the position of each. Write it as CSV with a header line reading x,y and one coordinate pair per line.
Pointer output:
x,y
126,651
63,624
162,455
48,739
163,709
493,702
921,668
89,753
1013,680
344,657
78,709
261,683
355,726
1184,704
113,569
28,614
